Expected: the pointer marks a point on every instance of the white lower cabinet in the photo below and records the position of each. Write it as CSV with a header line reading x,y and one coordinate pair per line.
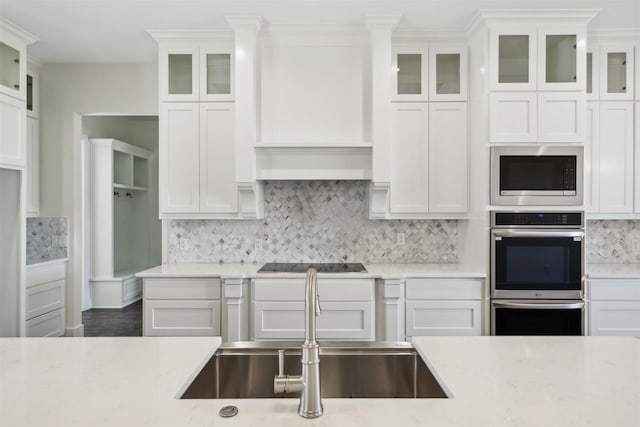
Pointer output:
x,y
45,299
443,306
614,307
181,307
348,309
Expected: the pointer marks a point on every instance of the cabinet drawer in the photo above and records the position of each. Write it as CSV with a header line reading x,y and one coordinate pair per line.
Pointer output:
x,y
443,289
328,289
339,320
179,288
443,318
614,318
47,325
37,274
44,298
614,289
181,318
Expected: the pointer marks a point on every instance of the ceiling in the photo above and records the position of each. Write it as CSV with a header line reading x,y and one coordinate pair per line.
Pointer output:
x,y
114,31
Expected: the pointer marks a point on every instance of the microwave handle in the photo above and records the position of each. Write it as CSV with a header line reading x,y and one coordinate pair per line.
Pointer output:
x,y
539,306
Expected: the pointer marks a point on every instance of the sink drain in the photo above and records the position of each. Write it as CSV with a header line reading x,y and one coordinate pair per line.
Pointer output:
x,y
228,411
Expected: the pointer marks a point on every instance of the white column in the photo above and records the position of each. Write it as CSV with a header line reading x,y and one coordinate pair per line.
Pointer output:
x,y
390,324
235,310
380,30
246,29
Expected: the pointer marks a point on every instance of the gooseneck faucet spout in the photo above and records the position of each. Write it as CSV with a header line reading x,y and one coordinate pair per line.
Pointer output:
x,y
309,382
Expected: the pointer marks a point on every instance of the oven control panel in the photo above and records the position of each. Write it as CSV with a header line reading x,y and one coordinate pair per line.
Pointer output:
x,y
537,219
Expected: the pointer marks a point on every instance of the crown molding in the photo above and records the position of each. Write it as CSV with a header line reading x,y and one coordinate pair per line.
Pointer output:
x,y
190,36
488,17
18,32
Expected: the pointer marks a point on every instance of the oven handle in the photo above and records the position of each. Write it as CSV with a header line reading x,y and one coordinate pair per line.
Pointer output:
x,y
539,306
536,233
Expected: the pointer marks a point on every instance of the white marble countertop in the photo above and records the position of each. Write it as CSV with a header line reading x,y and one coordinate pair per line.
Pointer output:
x,y
383,271
494,381
613,271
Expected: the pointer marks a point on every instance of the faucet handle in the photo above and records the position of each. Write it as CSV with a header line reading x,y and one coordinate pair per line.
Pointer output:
x,y
281,362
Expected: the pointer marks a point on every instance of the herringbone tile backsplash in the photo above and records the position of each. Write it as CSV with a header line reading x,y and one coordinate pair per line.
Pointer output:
x,y
314,221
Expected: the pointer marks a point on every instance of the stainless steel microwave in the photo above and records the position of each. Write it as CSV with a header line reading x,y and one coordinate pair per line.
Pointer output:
x,y
537,175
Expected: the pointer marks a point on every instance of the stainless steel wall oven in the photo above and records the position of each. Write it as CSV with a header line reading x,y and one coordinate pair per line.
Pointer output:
x,y
537,273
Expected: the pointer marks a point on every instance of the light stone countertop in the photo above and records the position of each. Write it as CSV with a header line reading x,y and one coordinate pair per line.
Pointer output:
x,y
494,381
613,271
383,271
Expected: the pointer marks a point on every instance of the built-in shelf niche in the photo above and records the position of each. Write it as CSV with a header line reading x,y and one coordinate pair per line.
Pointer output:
x,y
130,171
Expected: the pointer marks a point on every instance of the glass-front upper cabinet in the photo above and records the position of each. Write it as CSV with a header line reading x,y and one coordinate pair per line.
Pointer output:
x,y
448,73
542,57
410,74
561,58
11,71
196,74
616,72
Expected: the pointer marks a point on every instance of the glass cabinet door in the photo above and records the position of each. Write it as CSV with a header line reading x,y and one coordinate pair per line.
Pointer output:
x,y
179,74
561,59
447,74
216,75
410,74
512,53
616,65
9,67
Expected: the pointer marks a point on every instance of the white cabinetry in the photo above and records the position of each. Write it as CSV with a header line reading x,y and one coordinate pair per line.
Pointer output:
x,y
13,138
120,215
348,309
537,77
33,167
443,306
197,169
614,307
611,150
181,307
45,303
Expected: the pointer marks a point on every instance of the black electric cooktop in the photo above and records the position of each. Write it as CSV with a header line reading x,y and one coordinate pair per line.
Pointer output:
x,y
321,267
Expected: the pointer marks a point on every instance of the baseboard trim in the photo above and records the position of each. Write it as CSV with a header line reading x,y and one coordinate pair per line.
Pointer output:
x,y
76,331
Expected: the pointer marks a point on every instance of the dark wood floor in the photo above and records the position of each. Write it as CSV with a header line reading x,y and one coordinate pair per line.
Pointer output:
x,y
113,322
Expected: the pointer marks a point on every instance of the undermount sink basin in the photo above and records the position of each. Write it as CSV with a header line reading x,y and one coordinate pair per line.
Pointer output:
x,y
347,370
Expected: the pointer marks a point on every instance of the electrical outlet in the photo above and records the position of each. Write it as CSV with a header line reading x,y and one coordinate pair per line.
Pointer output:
x,y
635,244
257,244
400,238
184,244
59,241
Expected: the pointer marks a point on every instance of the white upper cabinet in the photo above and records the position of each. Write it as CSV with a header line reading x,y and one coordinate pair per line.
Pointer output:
x,y
616,72
191,73
437,73
410,80
537,57
512,53
448,73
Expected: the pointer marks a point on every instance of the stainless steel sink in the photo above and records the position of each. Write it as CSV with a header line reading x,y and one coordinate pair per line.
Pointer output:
x,y
347,370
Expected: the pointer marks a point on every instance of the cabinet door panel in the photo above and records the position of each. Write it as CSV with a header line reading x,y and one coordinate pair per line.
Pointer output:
x,y
179,74
448,167
561,57
47,325
513,117
512,54
561,116
443,318
410,159
181,318
410,77
592,158
616,157
179,158
616,72
614,318
448,73
339,320
33,167
218,193
13,138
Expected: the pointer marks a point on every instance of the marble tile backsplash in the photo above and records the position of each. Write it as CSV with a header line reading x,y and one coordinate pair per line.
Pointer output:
x,y
314,221
47,239
613,241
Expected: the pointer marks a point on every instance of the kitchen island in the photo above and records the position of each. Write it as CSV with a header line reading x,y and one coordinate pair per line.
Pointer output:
x,y
493,381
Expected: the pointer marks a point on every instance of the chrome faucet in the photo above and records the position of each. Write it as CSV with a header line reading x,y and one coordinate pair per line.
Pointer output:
x,y
309,382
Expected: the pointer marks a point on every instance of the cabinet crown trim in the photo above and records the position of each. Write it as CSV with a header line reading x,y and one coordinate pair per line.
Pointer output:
x,y
11,28
532,16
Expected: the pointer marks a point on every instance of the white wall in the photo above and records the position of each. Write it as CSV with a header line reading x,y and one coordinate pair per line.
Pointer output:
x,y
67,92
